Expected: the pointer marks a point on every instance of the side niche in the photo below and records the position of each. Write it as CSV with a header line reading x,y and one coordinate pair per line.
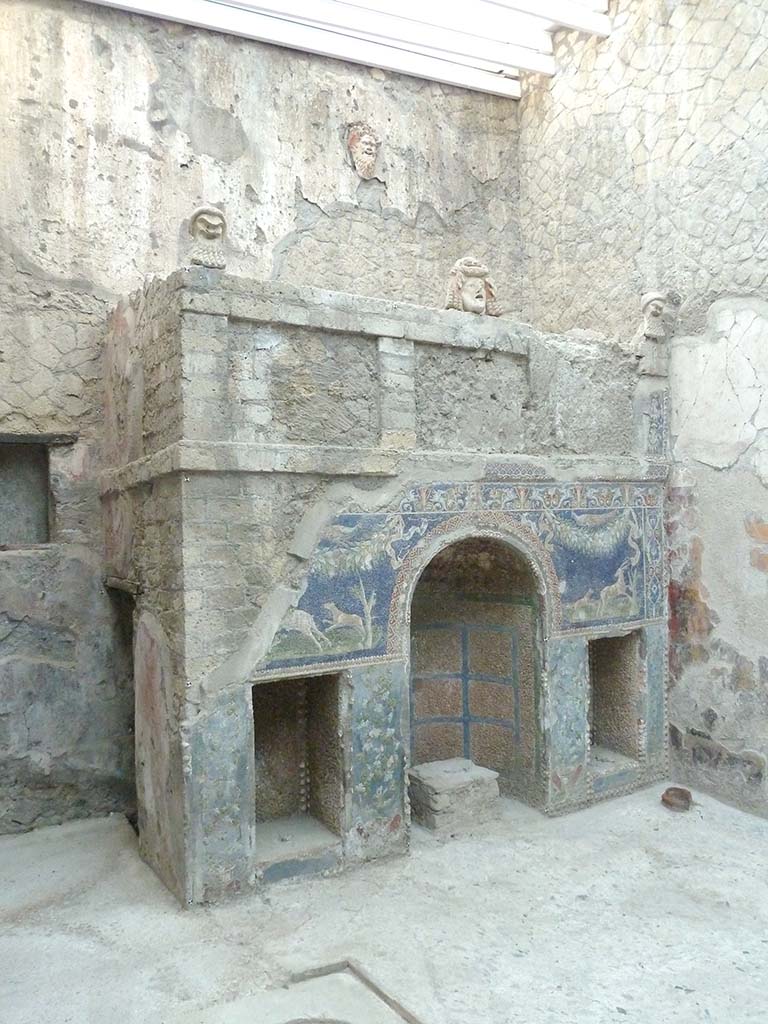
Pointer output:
x,y
24,494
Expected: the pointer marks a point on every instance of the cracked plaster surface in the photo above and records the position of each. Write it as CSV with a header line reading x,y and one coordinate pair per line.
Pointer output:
x,y
118,127
122,126
718,532
720,385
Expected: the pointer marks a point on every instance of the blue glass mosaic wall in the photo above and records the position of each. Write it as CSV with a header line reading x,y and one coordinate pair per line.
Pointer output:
x,y
599,546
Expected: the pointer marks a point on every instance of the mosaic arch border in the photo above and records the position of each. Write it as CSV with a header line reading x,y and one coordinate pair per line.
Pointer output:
x,y
510,514
470,526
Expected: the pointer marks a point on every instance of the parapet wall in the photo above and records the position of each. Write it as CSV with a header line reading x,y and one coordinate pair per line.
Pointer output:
x,y
237,361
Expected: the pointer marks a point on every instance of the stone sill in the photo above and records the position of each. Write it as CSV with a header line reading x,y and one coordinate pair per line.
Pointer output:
x,y
13,549
45,439
426,465
124,585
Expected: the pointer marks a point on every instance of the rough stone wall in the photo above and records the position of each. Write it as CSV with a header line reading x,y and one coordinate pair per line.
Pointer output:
x,y
642,166
142,374
66,698
278,385
123,125
65,694
470,400
117,128
581,394
229,566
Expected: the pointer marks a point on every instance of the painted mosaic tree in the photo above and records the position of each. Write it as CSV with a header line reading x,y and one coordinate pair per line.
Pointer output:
x,y
342,610
347,552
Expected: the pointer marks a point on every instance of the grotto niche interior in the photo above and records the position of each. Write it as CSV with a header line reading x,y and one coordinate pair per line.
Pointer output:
x,y
298,761
475,664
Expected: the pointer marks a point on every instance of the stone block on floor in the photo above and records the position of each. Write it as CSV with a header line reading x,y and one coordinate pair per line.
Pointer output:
x,y
448,796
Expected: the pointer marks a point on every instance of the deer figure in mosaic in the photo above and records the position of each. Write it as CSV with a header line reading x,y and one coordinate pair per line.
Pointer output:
x,y
620,592
343,620
299,621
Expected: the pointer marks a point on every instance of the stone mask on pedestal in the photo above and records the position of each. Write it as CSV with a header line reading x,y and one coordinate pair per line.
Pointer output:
x,y
470,288
208,228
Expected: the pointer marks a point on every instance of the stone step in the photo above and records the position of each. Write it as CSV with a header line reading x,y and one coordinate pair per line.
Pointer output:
x,y
453,794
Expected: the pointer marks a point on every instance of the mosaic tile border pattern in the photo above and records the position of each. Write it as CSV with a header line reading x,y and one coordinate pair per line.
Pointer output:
x,y
597,550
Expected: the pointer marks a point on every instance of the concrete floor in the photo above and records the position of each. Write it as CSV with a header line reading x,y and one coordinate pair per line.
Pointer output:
x,y
624,912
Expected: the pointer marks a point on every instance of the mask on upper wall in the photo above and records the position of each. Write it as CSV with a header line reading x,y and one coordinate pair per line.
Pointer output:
x,y
363,145
208,228
652,306
470,288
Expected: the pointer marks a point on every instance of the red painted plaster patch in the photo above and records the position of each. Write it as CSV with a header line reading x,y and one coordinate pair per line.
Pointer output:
x,y
691,621
757,529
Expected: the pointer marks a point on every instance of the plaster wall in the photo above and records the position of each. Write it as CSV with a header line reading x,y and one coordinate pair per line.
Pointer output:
x,y
719,554
642,166
117,128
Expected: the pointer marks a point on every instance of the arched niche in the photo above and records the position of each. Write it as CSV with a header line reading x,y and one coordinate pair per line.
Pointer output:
x,y
477,615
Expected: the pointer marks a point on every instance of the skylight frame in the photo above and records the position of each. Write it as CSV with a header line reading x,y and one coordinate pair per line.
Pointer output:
x,y
481,45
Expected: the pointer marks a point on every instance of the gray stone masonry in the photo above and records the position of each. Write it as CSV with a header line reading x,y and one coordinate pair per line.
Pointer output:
x,y
245,389
455,794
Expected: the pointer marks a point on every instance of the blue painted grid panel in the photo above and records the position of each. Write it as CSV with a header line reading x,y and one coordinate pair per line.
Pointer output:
x,y
466,677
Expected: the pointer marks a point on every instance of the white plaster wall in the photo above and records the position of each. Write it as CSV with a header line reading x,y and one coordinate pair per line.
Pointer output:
x,y
719,382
